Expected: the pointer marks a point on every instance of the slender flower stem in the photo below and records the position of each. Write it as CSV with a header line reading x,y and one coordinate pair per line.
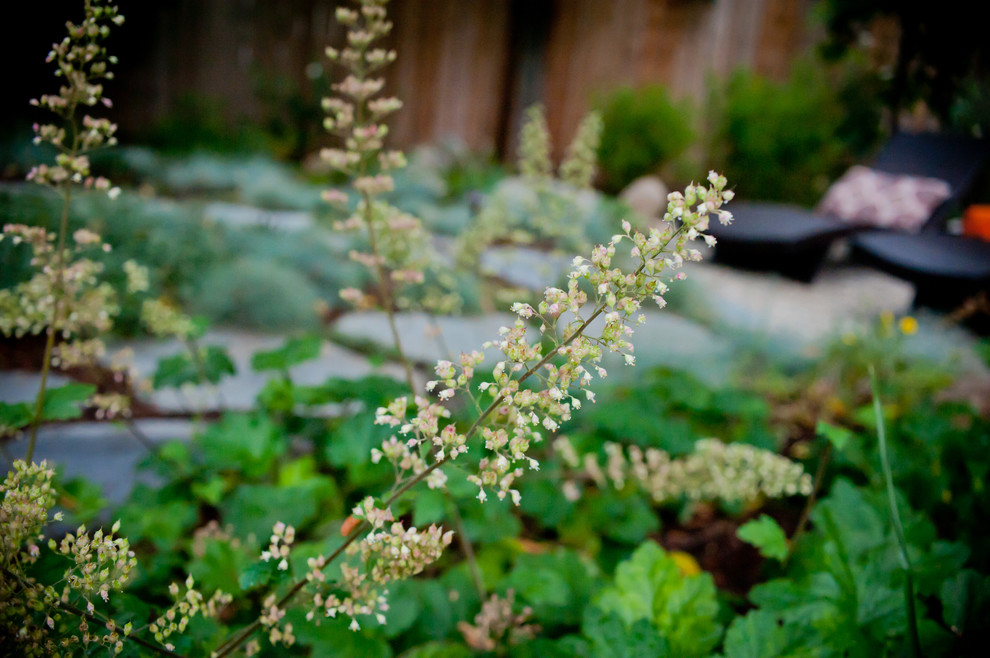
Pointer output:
x,y
46,363
479,583
150,646
895,516
388,303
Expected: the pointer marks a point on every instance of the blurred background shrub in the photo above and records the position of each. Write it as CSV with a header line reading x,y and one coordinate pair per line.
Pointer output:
x,y
645,129
788,141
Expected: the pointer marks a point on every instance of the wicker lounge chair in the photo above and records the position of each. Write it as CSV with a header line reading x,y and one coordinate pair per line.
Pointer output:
x,y
794,241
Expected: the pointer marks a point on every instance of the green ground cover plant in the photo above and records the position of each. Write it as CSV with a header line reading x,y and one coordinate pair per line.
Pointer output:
x,y
504,506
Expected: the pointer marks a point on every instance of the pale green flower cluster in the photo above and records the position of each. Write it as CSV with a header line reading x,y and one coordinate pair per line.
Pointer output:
x,y
32,615
399,247
102,562
165,320
715,471
185,607
550,205
517,415
82,63
28,307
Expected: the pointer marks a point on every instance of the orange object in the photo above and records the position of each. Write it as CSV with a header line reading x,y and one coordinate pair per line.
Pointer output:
x,y
976,222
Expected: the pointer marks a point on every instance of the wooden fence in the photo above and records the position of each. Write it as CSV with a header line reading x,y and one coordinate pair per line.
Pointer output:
x,y
466,68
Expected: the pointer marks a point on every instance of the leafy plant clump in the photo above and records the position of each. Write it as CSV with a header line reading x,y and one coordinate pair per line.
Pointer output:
x,y
644,130
509,505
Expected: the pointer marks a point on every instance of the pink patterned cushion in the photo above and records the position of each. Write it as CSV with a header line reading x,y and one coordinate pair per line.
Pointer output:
x,y
867,197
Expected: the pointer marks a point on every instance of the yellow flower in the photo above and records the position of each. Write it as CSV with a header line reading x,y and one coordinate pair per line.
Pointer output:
x,y
686,563
908,325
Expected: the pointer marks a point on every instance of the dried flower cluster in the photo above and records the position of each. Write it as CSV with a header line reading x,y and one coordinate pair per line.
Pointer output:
x,y
63,277
497,625
714,471
83,64
66,297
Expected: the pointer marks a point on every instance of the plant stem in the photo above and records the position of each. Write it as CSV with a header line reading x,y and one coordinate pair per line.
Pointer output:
x,y
58,292
479,583
895,516
823,461
154,648
388,303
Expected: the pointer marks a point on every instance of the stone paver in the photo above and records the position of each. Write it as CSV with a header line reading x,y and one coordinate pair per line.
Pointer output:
x,y
240,216
525,267
795,313
239,392
20,386
106,454
425,338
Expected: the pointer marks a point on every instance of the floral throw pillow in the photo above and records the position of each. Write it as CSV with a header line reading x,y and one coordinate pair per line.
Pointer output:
x,y
867,197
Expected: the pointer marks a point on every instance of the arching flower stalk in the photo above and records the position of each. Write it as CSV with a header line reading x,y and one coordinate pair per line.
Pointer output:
x,y
532,390
83,65
398,245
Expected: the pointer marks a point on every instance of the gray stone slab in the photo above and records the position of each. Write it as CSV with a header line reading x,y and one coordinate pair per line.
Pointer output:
x,y
106,454
240,216
528,268
240,391
794,314
22,386
425,338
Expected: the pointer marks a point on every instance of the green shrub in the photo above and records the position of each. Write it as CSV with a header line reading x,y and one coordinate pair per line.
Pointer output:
x,y
644,130
788,141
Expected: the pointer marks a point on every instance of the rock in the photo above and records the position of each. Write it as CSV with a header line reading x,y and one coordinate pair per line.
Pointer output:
x,y
647,196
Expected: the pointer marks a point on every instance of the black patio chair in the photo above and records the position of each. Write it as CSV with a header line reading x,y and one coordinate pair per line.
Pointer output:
x,y
794,241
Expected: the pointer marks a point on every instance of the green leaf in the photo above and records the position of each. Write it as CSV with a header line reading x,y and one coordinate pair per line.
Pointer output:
x,y
175,371
766,535
838,436
649,585
966,601
210,491
15,416
428,507
757,635
254,509
63,403
242,442
625,518
83,499
611,638
295,351
438,650
257,574
333,637
219,565
217,363
162,524
557,585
